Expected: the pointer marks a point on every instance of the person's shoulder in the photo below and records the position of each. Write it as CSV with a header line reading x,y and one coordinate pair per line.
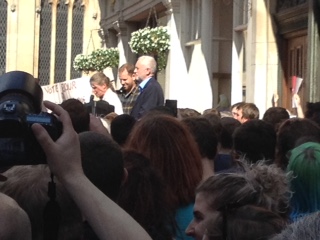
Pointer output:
x,y
153,83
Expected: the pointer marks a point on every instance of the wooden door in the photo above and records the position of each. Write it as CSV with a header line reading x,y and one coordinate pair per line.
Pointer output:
x,y
296,66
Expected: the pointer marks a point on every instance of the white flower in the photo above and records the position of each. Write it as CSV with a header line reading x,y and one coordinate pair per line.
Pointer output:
x,y
97,60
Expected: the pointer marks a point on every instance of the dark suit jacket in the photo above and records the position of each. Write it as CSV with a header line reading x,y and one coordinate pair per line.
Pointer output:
x,y
150,97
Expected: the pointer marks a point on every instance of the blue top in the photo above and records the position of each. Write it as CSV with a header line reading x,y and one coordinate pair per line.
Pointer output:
x,y
184,216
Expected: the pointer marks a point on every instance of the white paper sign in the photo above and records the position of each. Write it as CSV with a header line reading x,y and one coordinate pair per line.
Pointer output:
x,y
77,88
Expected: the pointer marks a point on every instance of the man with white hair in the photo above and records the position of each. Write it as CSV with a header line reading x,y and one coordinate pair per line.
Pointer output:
x,y
151,94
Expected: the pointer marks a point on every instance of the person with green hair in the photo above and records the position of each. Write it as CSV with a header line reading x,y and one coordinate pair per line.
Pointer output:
x,y
304,163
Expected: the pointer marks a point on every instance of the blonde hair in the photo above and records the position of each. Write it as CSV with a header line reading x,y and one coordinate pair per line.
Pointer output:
x,y
100,79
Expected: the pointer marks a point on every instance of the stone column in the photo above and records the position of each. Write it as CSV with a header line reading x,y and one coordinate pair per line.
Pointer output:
x,y
123,33
239,30
37,39
53,40
69,40
175,77
262,57
207,49
21,36
12,36
313,60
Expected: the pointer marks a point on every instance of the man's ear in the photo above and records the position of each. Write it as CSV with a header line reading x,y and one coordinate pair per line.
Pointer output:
x,y
125,176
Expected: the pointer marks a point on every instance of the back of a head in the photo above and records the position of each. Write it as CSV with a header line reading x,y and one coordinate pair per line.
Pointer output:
x,y
245,223
171,148
161,110
78,113
275,115
187,112
211,110
15,223
260,185
305,229
215,121
304,163
102,162
143,196
229,125
224,189
255,140
274,186
313,112
289,132
204,134
250,111
101,108
28,185
121,127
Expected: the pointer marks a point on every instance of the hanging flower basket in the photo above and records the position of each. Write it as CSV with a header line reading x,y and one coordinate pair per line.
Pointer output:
x,y
152,41
97,61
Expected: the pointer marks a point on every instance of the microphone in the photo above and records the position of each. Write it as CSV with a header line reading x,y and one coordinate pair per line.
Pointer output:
x,y
93,106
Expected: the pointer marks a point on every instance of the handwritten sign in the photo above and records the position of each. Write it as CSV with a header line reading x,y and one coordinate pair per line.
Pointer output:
x,y
77,88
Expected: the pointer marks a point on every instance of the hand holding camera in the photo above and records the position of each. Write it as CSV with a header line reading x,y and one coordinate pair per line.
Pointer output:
x,y
20,107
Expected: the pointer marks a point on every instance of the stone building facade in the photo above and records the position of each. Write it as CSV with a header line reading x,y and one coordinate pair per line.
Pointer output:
x,y
239,49
236,48
42,37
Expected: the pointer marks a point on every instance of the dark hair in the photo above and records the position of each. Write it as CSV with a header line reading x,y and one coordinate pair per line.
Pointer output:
x,y
313,112
187,112
204,134
120,128
275,116
102,162
171,149
245,223
211,111
161,110
249,111
229,125
143,196
215,121
289,132
78,113
255,140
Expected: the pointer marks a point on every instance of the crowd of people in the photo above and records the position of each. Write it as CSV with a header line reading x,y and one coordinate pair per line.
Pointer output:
x,y
148,171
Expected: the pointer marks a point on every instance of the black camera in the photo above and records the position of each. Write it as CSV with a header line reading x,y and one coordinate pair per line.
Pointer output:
x,y
20,107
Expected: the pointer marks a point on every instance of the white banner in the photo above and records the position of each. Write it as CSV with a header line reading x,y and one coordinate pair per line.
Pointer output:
x,y
77,88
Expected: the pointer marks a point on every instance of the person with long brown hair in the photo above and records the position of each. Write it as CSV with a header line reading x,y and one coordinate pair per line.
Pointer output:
x,y
143,196
172,150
